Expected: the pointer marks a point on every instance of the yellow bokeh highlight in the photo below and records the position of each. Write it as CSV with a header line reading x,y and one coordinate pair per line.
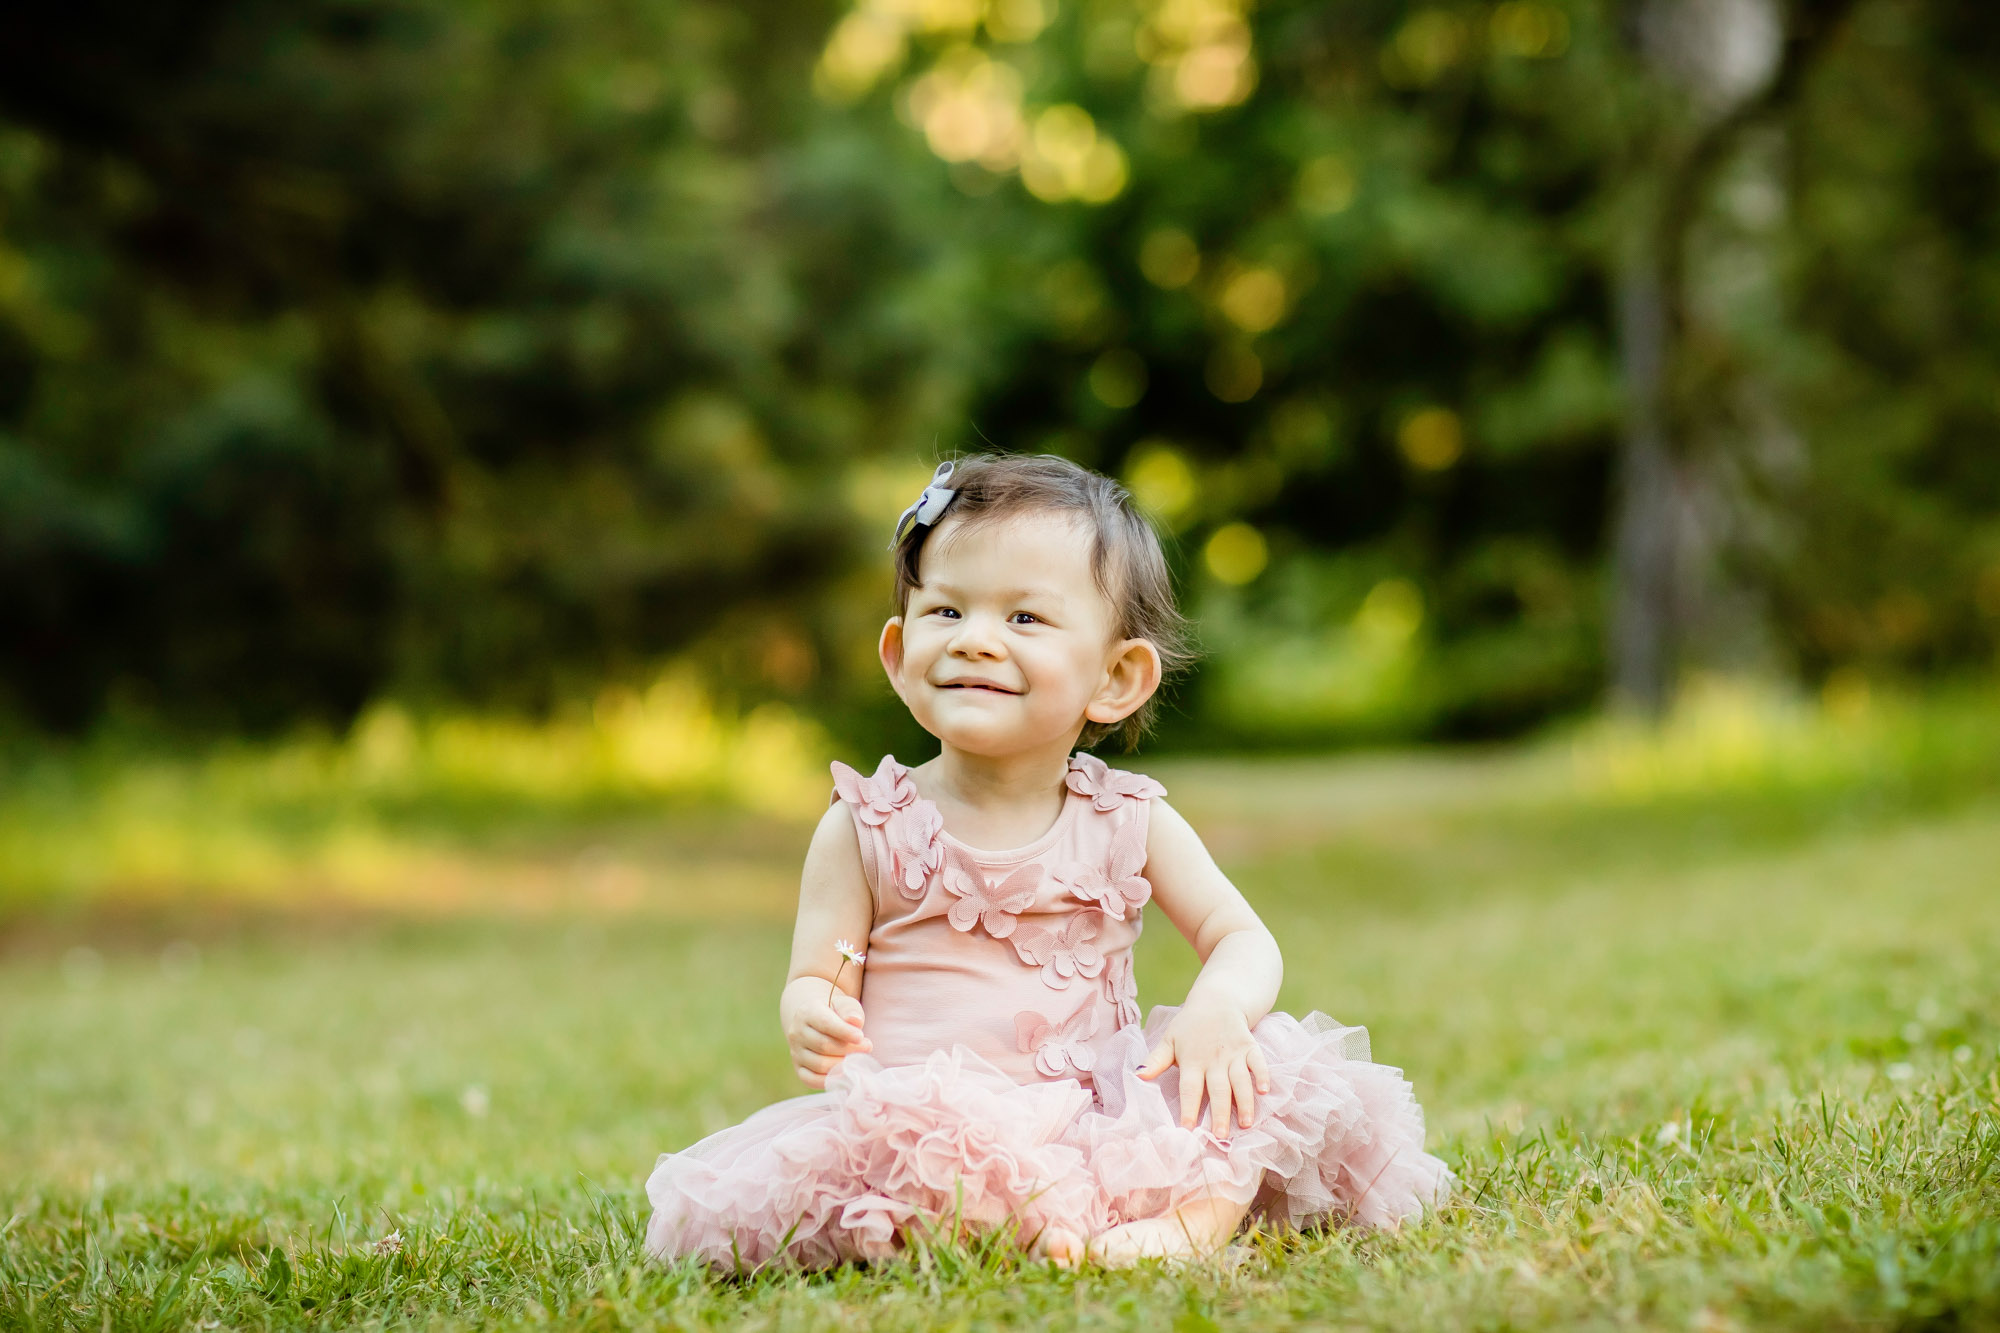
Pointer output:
x,y
1169,258
864,46
1201,52
1236,554
872,40
969,109
1432,438
968,104
1390,615
1018,20
1161,479
878,492
1118,378
1530,29
1067,157
1234,373
1253,299
1430,42
1326,186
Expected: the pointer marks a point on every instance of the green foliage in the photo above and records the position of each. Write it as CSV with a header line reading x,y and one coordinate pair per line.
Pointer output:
x,y
488,353
1719,1051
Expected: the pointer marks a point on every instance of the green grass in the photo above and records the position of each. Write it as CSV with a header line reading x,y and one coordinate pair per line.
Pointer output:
x,y
1712,1041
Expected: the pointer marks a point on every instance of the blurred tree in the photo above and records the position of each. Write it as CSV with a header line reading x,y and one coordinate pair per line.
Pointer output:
x,y
493,350
477,348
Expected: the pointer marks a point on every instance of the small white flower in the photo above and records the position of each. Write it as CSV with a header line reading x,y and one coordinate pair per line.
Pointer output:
x,y
390,1244
1900,1072
1668,1133
850,953
1961,1055
474,1101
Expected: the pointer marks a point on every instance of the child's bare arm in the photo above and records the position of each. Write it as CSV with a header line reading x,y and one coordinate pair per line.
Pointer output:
x,y
1241,971
834,904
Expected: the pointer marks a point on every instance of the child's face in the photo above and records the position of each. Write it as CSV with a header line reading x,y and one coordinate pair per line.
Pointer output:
x,y
1008,644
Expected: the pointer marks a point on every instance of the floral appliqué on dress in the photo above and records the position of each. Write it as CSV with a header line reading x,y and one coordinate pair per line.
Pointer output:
x,y
994,904
1122,988
888,801
1107,786
1062,953
1117,885
1059,1047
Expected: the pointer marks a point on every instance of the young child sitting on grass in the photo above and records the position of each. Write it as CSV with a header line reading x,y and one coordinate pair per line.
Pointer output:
x,y
982,1058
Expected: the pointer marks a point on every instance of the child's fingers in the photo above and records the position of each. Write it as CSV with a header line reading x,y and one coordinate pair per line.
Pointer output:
x,y
1218,1100
847,1007
1260,1069
1242,1084
816,1061
1157,1063
829,1025
807,1077
1191,1090
835,1046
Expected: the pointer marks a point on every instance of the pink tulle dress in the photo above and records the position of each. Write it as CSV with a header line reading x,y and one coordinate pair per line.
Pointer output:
x,y
1001,1090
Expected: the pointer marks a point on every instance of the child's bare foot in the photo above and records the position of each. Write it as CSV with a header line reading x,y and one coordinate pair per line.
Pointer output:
x,y
1192,1231
1060,1246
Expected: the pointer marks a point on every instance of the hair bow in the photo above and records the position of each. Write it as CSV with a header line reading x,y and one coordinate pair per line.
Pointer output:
x,y
930,506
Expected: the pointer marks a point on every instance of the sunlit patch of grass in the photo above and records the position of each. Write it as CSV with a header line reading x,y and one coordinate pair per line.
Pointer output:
x,y
392,804
1724,1056
1742,734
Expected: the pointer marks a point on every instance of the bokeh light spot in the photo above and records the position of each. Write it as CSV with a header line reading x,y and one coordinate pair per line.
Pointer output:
x,y
1234,374
1531,29
1067,158
1169,258
1326,186
1427,45
1018,20
1236,553
865,45
1432,438
1160,478
1391,614
1254,299
1118,378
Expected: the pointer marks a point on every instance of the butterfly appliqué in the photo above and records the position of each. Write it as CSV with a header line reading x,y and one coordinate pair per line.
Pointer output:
x,y
984,902
1107,786
1062,953
1116,885
1058,1047
915,849
875,798
1122,988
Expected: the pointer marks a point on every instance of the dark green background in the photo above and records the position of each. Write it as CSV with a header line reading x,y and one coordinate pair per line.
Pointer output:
x,y
484,352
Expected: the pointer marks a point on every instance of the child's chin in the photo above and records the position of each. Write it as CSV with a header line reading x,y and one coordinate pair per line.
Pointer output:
x,y
985,737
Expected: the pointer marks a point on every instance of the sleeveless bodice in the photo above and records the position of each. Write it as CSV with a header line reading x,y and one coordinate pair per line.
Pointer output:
x,y
1024,956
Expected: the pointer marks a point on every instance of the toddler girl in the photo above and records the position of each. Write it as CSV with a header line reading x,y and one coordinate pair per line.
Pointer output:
x,y
982,1058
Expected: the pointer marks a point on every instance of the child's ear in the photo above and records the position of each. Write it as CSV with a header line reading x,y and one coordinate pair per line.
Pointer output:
x,y
890,650
1129,680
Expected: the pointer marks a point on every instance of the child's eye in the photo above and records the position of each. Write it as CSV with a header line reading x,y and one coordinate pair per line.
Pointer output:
x,y
948,612
1025,618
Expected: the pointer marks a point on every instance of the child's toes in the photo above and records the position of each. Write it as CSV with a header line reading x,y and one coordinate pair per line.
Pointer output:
x,y
1060,1246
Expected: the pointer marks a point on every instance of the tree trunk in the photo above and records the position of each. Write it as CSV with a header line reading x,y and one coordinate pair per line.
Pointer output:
x,y
1647,520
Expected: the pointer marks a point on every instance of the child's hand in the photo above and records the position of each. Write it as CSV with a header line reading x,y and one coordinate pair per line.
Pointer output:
x,y
819,1033
1217,1055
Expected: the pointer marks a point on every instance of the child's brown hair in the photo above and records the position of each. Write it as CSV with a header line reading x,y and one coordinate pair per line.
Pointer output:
x,y
1126,558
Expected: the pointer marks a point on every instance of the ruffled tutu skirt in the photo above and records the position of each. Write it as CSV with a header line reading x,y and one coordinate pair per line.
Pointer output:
x,y
954,1146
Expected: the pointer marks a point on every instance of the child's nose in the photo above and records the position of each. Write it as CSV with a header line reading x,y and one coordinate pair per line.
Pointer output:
x,y
977,637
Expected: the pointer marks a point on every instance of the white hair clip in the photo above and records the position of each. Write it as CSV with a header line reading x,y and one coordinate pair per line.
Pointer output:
x,y
930,506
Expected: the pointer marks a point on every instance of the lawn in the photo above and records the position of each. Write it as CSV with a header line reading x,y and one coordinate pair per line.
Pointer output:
x,y
1708,1024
